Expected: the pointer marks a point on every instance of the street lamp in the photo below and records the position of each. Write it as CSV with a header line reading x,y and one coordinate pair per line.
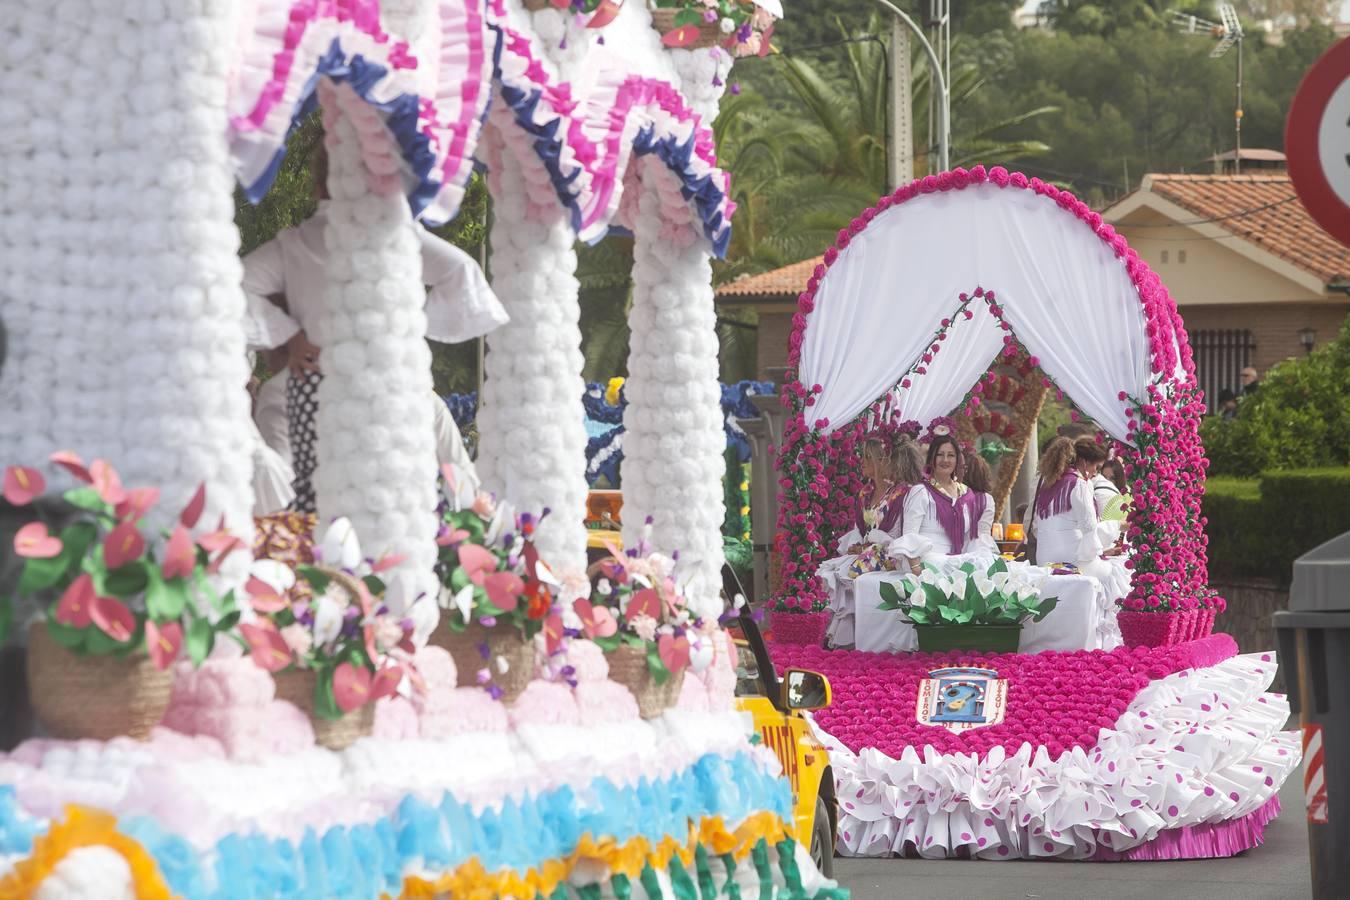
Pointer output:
x,y
901,18
1307,337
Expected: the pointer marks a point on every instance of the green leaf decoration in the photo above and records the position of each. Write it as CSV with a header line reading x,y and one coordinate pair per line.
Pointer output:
x,y
317,580
654,665
609,644
934,595
6,617
459,579
164,600
968,568
890,597
41,574
200,638
325,704
228,621
96,643
226,605
75,540
64,635
1000,566
374,585
86,498
687,17
129,580
918,615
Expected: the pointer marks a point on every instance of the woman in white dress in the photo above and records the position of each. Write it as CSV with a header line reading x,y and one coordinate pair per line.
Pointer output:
x,y
934,521
1063,515
878,516
977,506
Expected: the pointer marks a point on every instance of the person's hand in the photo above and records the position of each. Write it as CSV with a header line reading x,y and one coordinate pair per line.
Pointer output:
x,y
1115,550
303,356
856,549
916,567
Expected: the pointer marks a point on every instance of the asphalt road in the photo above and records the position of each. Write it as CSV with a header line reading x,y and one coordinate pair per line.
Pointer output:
x,y
1277,870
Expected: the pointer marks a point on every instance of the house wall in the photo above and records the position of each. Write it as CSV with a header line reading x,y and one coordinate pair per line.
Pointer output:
x,y
1200,271
775,327
1274,326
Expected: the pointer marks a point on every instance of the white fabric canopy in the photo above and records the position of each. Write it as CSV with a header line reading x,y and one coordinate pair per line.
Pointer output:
x,y
1067,297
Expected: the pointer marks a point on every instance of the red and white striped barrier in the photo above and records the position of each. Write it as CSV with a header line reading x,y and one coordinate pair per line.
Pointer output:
x,y
1314,774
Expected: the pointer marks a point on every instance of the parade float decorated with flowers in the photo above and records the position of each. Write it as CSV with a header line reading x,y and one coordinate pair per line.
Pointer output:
x,y
1142,735
316,739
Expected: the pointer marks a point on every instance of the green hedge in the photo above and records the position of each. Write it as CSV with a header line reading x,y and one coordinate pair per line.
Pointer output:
x,y
1257,527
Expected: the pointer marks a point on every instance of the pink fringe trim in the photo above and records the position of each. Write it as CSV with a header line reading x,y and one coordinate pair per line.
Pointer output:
x,y
1221,839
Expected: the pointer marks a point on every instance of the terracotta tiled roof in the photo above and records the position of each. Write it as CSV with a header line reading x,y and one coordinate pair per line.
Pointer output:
x,y
1263,209
788,281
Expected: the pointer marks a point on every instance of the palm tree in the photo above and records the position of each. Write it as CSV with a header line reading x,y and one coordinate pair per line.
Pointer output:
x,y
798,178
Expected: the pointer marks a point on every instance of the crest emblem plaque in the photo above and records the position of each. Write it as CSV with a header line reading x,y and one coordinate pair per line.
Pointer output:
x,y
961,699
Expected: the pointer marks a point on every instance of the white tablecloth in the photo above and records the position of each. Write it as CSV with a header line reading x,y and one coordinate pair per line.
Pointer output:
x,y
1076,623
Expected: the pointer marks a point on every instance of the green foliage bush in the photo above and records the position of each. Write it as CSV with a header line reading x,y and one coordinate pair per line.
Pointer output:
x,y
1298,418
1258,527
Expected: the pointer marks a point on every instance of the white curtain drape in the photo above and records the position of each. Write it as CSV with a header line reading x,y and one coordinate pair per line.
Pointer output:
x,y
1067,297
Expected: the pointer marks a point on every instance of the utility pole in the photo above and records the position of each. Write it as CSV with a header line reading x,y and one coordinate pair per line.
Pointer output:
x,y
900,167
939,80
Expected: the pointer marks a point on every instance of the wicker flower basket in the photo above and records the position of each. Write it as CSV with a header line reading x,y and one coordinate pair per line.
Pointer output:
x,y
94,697
535,5
297,686
465,648
709,33
628,667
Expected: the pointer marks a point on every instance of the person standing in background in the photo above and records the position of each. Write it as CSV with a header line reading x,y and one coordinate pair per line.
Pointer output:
x,y
1251,382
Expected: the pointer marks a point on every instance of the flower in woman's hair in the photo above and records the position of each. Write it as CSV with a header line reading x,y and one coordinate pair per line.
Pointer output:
x,y
644,627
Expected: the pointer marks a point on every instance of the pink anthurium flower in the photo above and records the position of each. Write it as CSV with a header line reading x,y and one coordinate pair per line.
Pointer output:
x,y
452,537
22,484
136,503
388,562
123,545
180,555
263,597
107,482
73,609
386,682
596,621
674,651
477,562
504,590
553,633
604,13
163,642
266,646
33,541
684,36
72,464
112,617
645,602
193,511
351,687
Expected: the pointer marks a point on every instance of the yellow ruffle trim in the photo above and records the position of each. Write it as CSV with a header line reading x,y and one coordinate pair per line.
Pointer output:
x,y
472,882
83,827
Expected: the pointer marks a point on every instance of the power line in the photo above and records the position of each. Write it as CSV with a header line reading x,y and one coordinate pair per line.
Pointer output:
x,y
1234,215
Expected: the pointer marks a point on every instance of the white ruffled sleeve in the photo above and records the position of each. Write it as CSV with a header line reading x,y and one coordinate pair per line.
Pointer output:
x,y
461,305
984,536
848,540
450,451
272,479
265,324
1084,510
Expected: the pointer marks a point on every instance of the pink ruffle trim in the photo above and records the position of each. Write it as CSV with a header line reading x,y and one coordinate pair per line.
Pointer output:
x,y
1209,841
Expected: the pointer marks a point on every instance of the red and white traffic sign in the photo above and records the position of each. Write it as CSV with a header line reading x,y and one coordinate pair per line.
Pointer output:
x,y
1317,141
1314,774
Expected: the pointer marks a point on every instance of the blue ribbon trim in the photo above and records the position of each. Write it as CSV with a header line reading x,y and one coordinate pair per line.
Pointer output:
x,y
401,116
362,861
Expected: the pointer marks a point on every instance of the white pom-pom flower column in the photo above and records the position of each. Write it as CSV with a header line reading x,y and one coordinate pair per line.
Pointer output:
x,y
672,467
376,448
118,254
532,449
703,76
